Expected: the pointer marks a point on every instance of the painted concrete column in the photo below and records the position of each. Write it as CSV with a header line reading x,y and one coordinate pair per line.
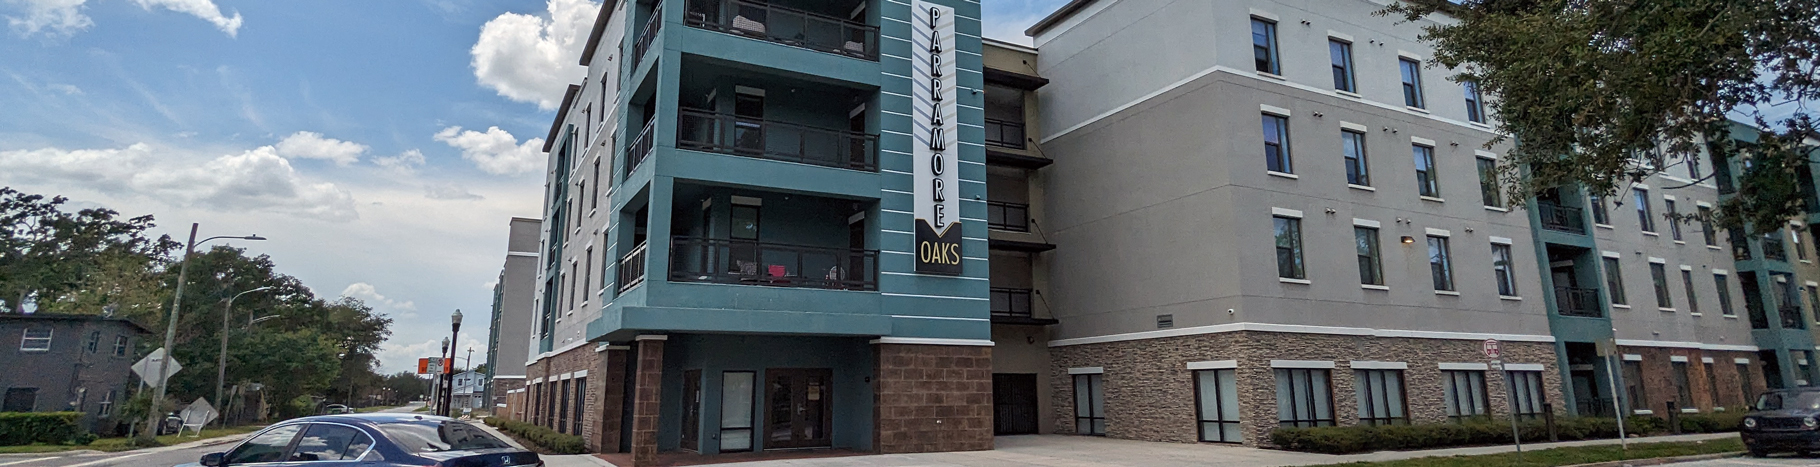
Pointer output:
x,y
612,399
647,391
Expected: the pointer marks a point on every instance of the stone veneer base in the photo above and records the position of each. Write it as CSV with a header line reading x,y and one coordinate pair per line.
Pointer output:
x,y
932,398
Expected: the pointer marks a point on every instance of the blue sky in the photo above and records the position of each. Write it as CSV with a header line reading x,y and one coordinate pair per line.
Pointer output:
x,y
380,145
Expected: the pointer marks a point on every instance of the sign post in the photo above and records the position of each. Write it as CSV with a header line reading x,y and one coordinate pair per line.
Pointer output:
x,y
1494,352
1608,348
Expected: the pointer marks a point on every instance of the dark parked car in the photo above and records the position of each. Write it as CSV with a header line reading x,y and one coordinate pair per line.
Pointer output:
x,y
373,440
1783,421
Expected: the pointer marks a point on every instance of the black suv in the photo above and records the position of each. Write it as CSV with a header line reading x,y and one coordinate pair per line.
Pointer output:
x,y
1783,420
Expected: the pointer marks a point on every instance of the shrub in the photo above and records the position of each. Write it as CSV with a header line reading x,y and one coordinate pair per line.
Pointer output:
x,y
21,428
548,439
1479,431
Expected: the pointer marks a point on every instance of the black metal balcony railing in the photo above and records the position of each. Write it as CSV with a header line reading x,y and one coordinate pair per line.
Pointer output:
x,y
632,268
1561,218
727,261
1010,303
1014,217
784,25
765,139
1002,133
1577,301
640,147
1593,407
1772,248
652,27
1791,317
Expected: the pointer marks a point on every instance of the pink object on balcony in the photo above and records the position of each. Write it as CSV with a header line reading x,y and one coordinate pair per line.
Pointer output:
x,y
776,270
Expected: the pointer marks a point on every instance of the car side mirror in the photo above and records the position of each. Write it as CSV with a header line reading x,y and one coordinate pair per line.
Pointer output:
x,y
214,459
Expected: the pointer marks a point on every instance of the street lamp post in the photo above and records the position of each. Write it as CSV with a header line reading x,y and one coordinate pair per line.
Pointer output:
x,y
436,393
170,332
449,376
221,364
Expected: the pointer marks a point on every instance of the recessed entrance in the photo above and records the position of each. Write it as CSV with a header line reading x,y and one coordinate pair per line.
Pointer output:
x,y
797,402
1013,404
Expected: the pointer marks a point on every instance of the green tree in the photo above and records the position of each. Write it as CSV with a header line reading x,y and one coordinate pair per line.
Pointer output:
x,y
47,252
1602,93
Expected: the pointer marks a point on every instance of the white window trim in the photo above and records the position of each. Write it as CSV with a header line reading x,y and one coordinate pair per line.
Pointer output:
x,y
1376,365
1741,361
1087,370
1420,141
1357,222
1274,110
1677,358
1524,367
1332,34
1631,357
1485,154
1502,241
1610,254
1687,268
1434,232
1463,366
1264,15
1213,365
1354,127
1313,364
1706,359
1285,212
1722,272
1655,260
1410,55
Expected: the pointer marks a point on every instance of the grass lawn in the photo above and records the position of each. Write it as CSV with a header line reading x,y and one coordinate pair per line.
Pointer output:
x,y
425,408
1572,455
372,409
124,444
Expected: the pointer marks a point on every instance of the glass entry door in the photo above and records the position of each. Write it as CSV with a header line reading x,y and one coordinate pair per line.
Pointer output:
x,y
797,408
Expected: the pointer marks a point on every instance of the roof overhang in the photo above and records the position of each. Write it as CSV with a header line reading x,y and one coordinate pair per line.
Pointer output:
x,y
1060,15
561,113
1014,79
599,29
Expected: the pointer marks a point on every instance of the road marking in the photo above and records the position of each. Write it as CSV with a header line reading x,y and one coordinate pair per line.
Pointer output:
x,y
33,460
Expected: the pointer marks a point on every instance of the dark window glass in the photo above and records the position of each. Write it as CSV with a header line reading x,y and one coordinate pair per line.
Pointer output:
x,y
1289,248
1658,276
1412,82
433,436
1674,224
1526,393
269,446
1371,269
1090,404
1428,181
1646,222
1439,264
1489,191
1217,404
1380,397
325,442
1341,55
1614,281
1264,46
1357,171
1475,108
1633,385
1464,393
1503,270
1724,293
1683,387
1304,398
1276,144
1687,283
1599,216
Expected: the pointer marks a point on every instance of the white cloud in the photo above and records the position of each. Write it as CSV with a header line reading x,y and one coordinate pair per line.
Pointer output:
x,y
254,180
204,9
449,191
68,89
369,294
495,151
396,357
65,18
533,59
311,145
403,162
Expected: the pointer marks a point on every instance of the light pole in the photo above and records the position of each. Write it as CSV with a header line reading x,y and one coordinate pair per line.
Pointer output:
x,y
436,394
221,364
170,332
470,367
449,377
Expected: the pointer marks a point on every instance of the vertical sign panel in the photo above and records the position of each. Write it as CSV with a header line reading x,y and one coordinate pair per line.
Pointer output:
x,y
937,148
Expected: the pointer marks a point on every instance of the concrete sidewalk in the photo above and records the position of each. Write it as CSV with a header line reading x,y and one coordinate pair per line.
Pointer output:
x,y
1082,451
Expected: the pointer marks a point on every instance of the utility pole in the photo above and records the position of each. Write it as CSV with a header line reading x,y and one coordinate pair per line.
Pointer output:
x,y
152,418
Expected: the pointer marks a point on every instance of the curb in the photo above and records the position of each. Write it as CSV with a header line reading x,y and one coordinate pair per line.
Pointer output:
x,y
1662,460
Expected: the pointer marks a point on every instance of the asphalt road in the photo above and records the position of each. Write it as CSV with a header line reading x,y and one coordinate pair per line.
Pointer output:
x,y
156,457
1777,461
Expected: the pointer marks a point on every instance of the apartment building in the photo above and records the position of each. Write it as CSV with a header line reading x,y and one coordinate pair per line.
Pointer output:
x,y
1285,224
766,228
513,313
1019,247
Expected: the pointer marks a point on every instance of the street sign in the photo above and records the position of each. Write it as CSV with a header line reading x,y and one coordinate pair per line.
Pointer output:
x,y
147,368
197,415
1607,347
1493,350
1497,365
432,366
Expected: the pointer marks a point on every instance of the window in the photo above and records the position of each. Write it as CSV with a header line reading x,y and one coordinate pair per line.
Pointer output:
x,y
105,408
1645,222
1264,46
1276,144
1674,224
1357,172
745,222
1371,267
1303,398
1724,294
94,341
1599,216
1425,171
1683,388
1687,285
736,395
1526,393
36,340
587,275
1464,391
562,409
267,447
1813,299
119,346
20,400
1488,183
1614,281
1340,53
1380,394
1744,387
1706,226
581,399
1289,248
1090,404
1439,265
1794,236
594,196
1475,107
1633,385
1217,399
1658,276
1712,384
325,442
1412,82
1503,269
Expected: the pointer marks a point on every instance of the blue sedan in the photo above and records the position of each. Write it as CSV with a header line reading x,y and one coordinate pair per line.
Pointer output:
x,y
372,440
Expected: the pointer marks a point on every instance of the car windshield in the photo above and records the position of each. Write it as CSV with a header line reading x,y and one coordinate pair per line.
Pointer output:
x,y
1796,400
433,435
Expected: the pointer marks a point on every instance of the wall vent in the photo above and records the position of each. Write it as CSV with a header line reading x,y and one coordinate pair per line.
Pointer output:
x,y
1165,321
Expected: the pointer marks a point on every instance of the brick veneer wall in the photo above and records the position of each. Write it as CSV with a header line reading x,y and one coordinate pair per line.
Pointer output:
x,y
647,392
502,394
1659,379
610,410
581,358
932,398
1149,392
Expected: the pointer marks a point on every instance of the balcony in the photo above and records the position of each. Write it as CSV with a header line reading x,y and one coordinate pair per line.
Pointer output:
x,y
1772,247
1791,317
639,148
1010,303
1004,134
747,262
1561,218
1577,301
1014,217
766,139
632,268
652,27
784,25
